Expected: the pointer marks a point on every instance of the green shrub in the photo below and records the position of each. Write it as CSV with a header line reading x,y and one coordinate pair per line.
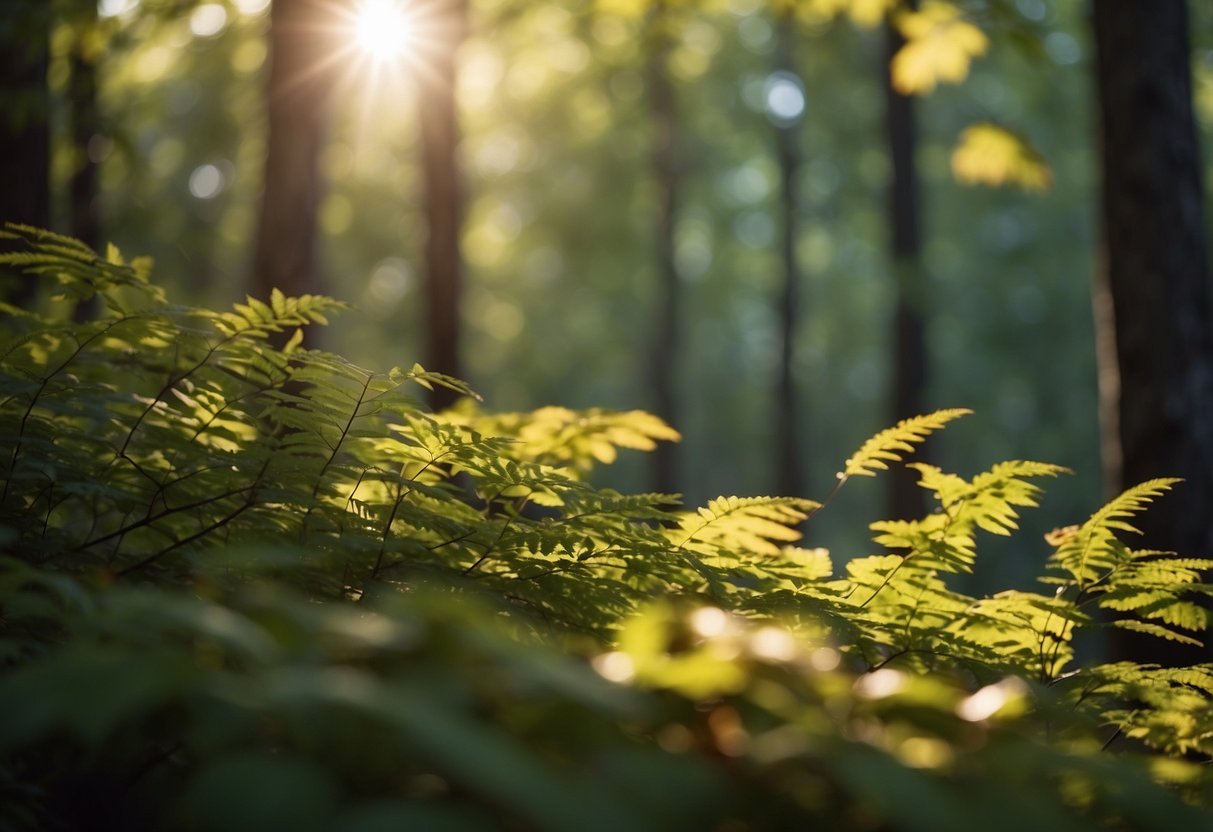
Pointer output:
x,y
250,587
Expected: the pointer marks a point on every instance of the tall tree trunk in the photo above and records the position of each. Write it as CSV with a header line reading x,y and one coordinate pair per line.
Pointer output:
x,y
788,425
909,360
298,102
443,199
84,127
663,352
1157,272
24,129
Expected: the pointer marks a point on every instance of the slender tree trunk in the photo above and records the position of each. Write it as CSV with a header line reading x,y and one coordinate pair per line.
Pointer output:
x,y
909,364
298,103
84,126
1157,272
788,423
443,199
24,129
663,353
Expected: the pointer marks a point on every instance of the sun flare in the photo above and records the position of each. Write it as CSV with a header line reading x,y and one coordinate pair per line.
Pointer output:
x,y
382,29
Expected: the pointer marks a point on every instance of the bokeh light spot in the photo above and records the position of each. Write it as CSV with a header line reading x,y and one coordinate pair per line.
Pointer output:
x,y
207,182
208,20
784,98
252,7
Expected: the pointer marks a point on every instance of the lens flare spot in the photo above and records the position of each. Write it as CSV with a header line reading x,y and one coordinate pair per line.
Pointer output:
x,y
382,29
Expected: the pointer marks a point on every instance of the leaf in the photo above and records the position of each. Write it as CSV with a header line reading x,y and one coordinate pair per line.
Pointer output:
x,y
810,564
1156,630
986,154
939,48
744,524
1095,548
990,501
892,443
935,542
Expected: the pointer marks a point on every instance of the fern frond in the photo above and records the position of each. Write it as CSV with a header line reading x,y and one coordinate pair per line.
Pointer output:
x,y
743,524
77,270
428,379
561,437
1156,630
989,502
257,319
1031,631
891,444
1094,549
1154,585
935,542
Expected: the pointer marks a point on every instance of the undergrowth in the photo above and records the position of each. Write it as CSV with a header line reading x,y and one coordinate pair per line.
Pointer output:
x,y
250,587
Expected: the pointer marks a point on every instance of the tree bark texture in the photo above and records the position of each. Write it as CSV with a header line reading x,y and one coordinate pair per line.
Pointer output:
x,y
663,353
298,101
788,422
909,360
443,198
1157,269
24,128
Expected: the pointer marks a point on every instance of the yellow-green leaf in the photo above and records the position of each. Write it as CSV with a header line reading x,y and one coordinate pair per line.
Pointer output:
x,y
987,154
891,444
939,48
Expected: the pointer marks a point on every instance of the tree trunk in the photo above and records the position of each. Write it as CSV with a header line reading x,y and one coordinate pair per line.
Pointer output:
x,y
84,126
1157,273
909,360
662,358
443,199
24,129
788,424
298,100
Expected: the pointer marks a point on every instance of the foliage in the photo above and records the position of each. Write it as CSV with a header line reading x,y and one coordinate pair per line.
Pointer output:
x,y
939,48
247,586
991,155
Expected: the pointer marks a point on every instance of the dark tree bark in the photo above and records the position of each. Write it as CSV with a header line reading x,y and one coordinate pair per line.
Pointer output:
x,y
1156,269
24,128
663,352
298,102
909,360
788,421
443,198
84,127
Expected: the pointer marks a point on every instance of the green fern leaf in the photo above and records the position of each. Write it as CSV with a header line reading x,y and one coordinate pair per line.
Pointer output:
x,y
1156,630
935,542
561,437
1094,548
891,444
743,524
990,500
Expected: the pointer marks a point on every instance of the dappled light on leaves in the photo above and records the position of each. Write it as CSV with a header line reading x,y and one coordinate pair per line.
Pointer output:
x,y
939,47
987,154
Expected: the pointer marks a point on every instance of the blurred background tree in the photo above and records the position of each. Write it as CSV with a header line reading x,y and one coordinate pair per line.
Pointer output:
x,y
298,97
25,28
1153,289
560,267
908,372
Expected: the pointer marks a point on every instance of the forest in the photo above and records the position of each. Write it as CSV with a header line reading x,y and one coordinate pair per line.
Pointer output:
x,y
605,414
